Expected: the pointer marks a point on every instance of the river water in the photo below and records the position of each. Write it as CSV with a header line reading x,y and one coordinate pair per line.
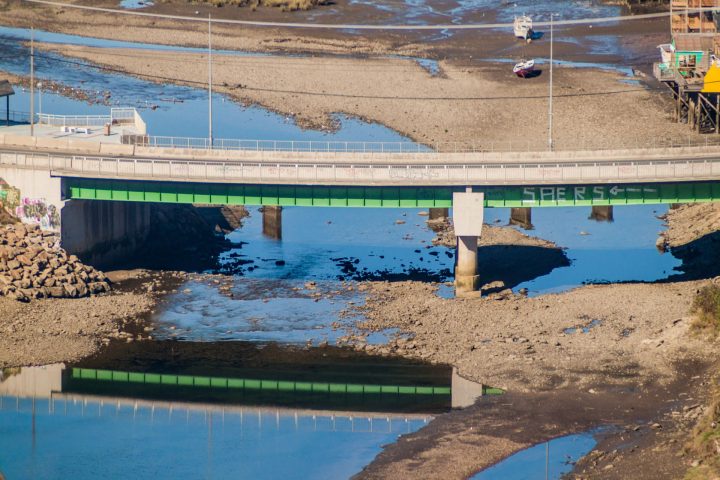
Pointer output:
x,y
272,302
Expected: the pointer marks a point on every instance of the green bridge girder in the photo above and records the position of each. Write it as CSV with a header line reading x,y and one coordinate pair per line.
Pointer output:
x,y
410,197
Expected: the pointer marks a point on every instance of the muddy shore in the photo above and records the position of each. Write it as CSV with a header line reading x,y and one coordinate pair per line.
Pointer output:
x,y
608,355
61,330
638,35
642,439
594,334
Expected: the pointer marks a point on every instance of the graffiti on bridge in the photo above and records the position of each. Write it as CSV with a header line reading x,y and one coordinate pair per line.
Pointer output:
x,y
38,212
531,195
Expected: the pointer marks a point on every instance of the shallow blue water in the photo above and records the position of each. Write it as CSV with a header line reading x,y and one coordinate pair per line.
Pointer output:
x,y
89,439
530,464
271,301
600,252
134,4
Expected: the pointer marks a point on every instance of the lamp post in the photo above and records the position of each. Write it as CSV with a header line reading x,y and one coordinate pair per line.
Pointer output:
x,y
210,115
32,81
39,85
550,102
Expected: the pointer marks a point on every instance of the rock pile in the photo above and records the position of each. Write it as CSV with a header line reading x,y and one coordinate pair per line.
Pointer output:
x,y
32,265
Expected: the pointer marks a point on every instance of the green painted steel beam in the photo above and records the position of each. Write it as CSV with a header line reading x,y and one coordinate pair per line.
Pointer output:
x,y
410,197
251,384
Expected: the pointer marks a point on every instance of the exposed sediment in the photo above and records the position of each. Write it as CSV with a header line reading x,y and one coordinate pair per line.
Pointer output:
x,y
609,334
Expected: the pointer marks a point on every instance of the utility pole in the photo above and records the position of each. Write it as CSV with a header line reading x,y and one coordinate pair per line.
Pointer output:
x,y
32,81
210,115
550,103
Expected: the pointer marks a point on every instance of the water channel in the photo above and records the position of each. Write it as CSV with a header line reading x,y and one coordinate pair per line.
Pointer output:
x,y
213,437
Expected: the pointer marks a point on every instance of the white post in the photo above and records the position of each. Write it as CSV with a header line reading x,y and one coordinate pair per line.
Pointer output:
x,y
550,106
210,127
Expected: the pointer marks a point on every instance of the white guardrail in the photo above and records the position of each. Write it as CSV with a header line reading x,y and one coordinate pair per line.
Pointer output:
x,y
525,173
204,143
123,115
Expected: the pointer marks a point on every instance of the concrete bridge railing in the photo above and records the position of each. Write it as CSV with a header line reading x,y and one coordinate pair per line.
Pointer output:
x,y
529,172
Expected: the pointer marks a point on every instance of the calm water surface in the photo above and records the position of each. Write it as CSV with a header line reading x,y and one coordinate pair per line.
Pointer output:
x,y
530,464
75,437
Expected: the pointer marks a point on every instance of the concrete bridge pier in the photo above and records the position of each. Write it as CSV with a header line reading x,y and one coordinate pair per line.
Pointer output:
x,y
522,217
439,214
467,221
602,213
272,221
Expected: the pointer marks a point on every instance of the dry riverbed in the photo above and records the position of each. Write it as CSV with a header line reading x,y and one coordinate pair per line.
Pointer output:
x,y
65,330
484,105
601,334
629,362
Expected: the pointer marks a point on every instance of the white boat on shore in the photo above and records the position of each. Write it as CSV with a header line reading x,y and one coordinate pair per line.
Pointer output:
x,y
524,68
523,27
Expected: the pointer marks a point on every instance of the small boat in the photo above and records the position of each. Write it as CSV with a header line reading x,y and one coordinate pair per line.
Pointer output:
x,y
523,27
524,68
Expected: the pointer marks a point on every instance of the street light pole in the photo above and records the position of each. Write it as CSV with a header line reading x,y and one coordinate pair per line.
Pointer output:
x,y
550,103
39,85
32,81
210,115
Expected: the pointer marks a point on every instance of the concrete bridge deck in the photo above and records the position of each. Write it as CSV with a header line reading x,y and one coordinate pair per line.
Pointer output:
x,y
126,162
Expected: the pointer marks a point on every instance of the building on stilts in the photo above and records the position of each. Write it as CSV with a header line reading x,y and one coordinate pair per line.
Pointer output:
x,y
690,63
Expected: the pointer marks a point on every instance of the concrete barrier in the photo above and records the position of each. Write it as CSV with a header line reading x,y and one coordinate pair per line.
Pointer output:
x,y
51,143
117,149
20,140
83,146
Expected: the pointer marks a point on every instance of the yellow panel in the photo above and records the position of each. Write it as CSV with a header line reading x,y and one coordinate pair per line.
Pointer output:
x,y
712,80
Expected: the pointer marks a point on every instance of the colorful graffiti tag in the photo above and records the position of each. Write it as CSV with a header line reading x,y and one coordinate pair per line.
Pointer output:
x,y
9,196
35,211
38,211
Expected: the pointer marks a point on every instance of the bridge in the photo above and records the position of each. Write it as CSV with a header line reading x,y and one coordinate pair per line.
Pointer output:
x,y
142,169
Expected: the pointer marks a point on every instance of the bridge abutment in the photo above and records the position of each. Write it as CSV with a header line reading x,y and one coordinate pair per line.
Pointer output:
x,y
522,217
272,221
602,213
102,233
467,220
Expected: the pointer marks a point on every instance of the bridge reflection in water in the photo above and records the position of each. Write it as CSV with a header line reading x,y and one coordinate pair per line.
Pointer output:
x,y
53,427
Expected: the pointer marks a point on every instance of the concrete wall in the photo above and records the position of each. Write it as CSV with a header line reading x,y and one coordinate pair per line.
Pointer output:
x,y
33,381
32,195
104,232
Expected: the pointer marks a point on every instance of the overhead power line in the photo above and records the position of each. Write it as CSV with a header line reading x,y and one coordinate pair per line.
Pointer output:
x,y
451,26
